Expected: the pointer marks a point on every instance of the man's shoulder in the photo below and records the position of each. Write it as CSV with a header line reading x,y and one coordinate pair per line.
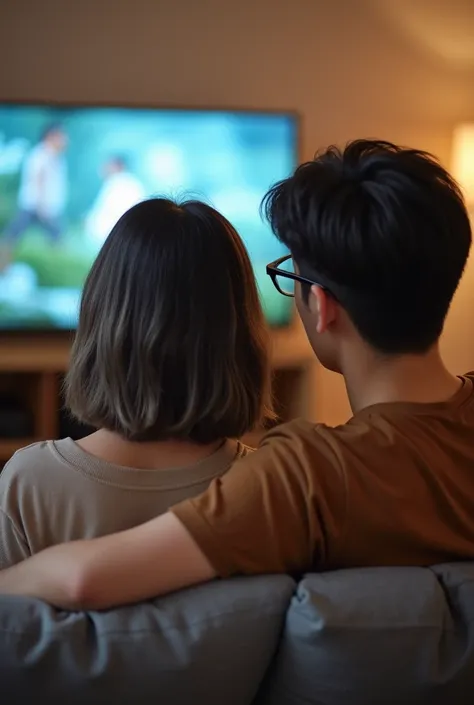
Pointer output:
x,y
322,443
301,440
370,434
301,430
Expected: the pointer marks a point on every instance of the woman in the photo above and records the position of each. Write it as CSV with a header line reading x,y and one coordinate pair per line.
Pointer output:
x,y
170,364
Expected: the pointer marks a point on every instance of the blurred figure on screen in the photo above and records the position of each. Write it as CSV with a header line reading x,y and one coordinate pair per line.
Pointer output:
x,y
119,192
43,188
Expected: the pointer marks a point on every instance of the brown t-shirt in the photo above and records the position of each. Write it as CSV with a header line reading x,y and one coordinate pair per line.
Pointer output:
x,y
393,486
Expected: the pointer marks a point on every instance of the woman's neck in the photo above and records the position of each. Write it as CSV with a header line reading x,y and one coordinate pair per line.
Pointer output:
x,y
148,455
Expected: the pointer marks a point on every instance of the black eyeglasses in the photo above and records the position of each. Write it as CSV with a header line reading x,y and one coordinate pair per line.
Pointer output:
x,y
284,279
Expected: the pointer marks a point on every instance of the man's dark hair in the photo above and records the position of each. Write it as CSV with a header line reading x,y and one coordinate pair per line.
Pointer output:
x,y
171,341
385,230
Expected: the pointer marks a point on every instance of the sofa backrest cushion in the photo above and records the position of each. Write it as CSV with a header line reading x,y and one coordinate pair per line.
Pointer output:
x,y
211,645
373,636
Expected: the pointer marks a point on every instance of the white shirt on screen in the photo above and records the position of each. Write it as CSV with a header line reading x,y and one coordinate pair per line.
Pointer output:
x,y
119,193
43,184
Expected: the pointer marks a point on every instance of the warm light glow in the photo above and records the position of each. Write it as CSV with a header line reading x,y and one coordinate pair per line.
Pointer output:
x,y
462,162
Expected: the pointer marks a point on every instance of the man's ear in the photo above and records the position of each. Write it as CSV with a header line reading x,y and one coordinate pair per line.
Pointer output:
x,y
323,306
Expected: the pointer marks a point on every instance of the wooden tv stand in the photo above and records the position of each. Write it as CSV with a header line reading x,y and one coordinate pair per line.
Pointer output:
x,y
31,368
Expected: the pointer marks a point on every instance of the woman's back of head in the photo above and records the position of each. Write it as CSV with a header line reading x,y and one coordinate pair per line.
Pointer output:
x,y
171,341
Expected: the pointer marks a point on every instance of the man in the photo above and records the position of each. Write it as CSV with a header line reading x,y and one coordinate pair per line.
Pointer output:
x,y
379,237
43,188
120,191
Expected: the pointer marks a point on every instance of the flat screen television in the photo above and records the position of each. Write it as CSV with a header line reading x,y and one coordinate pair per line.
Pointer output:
x,y
68,172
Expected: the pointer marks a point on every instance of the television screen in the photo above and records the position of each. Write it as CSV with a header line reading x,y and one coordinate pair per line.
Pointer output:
x,y
68,173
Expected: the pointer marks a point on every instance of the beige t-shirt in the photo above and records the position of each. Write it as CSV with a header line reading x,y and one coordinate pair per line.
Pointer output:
x,y
54,491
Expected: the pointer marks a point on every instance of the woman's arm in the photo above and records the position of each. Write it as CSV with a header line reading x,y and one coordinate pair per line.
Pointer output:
x,y
149,560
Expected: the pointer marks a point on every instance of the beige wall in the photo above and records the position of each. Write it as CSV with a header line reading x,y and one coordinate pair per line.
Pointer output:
x,y
346,65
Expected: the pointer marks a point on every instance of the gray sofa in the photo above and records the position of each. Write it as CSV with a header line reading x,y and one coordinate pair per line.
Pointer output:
x,y
353,637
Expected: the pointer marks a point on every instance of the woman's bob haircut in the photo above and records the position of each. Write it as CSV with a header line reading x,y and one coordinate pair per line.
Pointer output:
x,y
171,341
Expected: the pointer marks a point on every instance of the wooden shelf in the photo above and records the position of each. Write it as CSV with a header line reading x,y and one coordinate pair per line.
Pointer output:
x,y
34,353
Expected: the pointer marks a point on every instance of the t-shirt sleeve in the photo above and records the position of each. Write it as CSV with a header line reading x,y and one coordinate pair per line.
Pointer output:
x,y
13,546
279,509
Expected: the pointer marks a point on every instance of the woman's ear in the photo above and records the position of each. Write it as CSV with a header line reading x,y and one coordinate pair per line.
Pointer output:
x,y
323,307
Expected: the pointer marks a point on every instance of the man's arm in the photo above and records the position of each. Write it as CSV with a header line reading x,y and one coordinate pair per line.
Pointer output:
x,y
154,558
271,513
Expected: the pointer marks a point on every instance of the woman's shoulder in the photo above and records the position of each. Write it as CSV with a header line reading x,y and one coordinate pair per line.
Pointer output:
x,y
33,462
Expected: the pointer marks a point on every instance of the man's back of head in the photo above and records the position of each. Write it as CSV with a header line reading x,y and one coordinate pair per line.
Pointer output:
x,y
384,235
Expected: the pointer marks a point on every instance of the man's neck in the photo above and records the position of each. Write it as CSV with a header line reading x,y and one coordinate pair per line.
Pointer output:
x,y
423,379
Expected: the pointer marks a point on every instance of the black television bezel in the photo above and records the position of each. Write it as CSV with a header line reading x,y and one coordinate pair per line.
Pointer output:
x,y
63,333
